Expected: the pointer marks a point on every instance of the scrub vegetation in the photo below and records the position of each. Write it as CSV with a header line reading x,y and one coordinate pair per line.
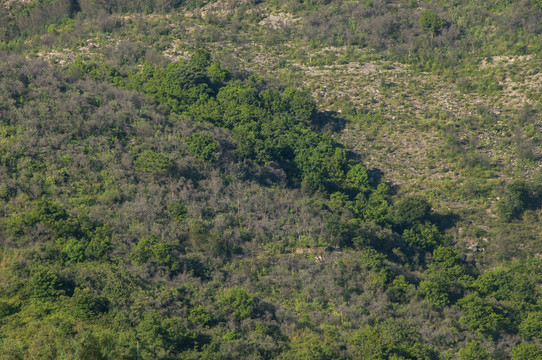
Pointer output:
x,y
279,179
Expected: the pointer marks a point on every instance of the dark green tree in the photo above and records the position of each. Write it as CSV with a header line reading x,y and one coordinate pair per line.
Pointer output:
x,y
44,283
515,200
409,211
431,22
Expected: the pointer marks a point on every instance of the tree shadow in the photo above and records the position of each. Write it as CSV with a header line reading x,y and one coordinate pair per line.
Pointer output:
x,y
376,176
327,121
444,221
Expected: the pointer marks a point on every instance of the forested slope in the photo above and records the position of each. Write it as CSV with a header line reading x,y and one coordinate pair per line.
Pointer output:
x,y
176,184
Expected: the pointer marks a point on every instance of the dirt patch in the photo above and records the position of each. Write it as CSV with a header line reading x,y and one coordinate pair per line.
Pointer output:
x,y
174,53
278,21
57,57
222,8
499,61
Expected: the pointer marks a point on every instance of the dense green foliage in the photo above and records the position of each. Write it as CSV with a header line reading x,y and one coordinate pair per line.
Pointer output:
x,y
182,209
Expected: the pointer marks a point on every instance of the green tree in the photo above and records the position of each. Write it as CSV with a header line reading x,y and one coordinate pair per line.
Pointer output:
x,y
424,236
7,308
481,316
446,256
152,335
300,104
357,178
309,345
74,250
218,74
200,316
445,279
237,301
179,85
90,348
143,250
376,208
177,211
100,243
201,59
391,339
48,211
531,326
150,249
202,146
152,163
474,351
526,352
505,284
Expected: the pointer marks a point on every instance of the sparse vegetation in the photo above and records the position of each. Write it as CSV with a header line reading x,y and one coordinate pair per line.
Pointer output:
x,y
270,180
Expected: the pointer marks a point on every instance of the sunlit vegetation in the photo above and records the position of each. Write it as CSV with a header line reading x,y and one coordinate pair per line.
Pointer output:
x,y
184,207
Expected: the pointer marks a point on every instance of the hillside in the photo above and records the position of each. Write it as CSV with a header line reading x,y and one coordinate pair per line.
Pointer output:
x,y
270,180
